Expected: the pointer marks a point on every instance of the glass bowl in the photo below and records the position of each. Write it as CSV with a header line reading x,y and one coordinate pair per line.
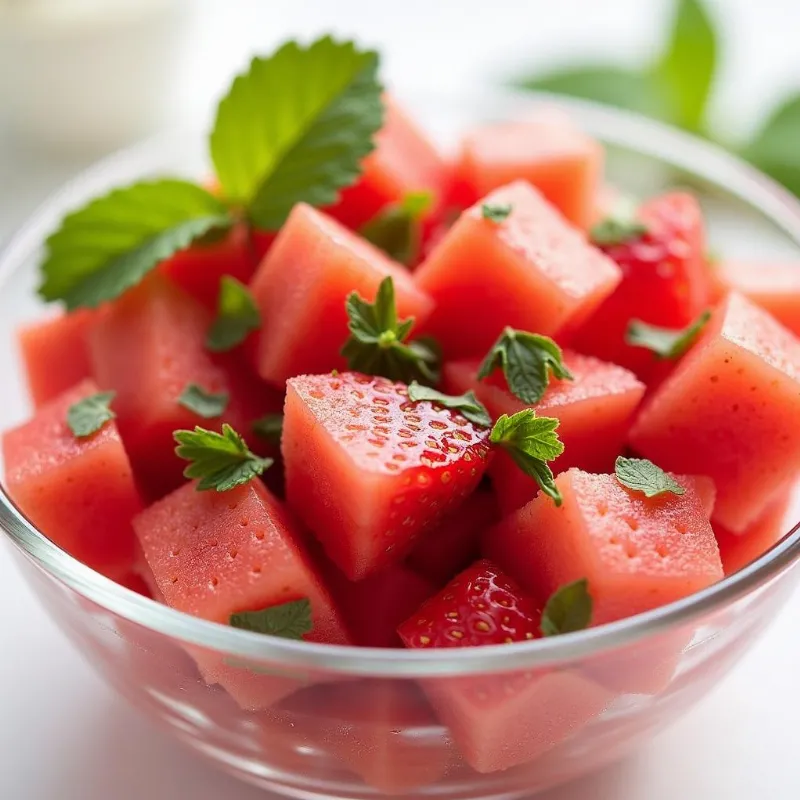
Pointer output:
x,y
338,722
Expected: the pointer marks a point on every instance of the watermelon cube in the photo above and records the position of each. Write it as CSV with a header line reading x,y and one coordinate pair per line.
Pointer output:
x,y
301,288
730,410
215,554
404,161
775,286
368,471
147,347
637,553
547,151
531,271
79,492
55,353
595,412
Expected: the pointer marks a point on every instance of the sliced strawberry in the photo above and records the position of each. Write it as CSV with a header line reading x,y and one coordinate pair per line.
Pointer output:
x,y
369,471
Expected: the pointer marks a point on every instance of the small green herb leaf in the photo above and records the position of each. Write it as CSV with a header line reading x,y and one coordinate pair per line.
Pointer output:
x,y
203,403
87,416
644,476
237,316
775,149
531,441
290,620
527,360
569,609
616,230
666,343
219,461
397,230
496,212
269,427
377,343
111,243
467,404
295,127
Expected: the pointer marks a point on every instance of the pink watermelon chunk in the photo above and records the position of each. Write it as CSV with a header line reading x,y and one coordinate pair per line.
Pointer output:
x,y
730,410
301,288
79,492
531,271
216,554
547,151
55,353
148,346
636,553
368,471
595,412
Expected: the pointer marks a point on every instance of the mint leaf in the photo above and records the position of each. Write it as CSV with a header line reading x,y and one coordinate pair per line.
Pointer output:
x,y
295,127
467,404
290,620
237,316
527,360
644,476
569,609
269,427
111,243
87,416
220,461
203,403
377,343
775,148
666,343
616,230
531,441
688,65
496,212
397,229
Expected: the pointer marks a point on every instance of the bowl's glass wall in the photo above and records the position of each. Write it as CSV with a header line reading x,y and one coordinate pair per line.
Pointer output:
x,y
311,733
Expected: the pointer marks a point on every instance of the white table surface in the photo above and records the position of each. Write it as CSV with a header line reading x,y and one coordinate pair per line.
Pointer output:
x,y
65,736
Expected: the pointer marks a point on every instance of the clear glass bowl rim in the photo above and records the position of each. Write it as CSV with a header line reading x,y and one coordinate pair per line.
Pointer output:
x,y
625,129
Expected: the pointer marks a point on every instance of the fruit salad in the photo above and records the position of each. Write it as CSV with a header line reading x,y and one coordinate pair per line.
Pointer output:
x,y
352,390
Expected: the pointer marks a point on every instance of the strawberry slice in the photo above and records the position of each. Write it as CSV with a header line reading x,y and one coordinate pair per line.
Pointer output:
x,y
369,471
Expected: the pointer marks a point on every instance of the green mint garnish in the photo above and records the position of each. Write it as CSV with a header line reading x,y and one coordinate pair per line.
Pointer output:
x,y
397,229
531,441
467,404
290,620
617,230
237,316
569,609
496,212
269,427
666,343
644,476
219,461
204,404
87,416
377,343
527,360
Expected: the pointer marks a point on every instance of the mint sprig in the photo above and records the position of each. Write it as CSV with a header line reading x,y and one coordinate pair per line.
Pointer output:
x,y
466,404
203,403
237,316
269,427
666,343
378,343
527,361
295,127
88,416
219,461
532,442
397,229
569,609
496,212
644,476
616,230
290,620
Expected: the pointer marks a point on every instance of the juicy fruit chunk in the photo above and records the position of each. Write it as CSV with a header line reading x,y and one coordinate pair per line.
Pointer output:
x,y
148,346
369,471
773,286
79,492
531,271
199,269
595,411
55,354
637,553
548,152
667,266
506,719
404,162
301,288
730,410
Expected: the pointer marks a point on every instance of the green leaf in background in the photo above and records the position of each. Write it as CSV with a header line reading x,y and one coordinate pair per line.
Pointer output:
x,y
111,243
569,609
776,147
290,620
397,229
295,127
237,316
87,416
